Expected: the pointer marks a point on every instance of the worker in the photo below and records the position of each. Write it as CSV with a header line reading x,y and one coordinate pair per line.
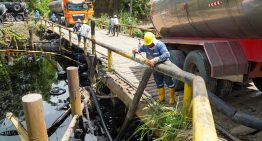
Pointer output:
x,y
37,16
115,25
156,52
84,30
110,25
76,29
53,17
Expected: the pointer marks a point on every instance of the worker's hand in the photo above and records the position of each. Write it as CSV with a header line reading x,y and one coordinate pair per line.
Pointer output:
x,y
151,62
134,51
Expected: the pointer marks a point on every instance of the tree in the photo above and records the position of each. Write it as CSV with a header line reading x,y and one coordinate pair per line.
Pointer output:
x,y
137,8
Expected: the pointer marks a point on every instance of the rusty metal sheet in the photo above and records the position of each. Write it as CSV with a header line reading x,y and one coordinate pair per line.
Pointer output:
x,y
226,58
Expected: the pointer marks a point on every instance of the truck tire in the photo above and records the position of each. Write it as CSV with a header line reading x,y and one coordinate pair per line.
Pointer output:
x,y
19,18
178,58
224,88
9,17
197,63
258,82
17,7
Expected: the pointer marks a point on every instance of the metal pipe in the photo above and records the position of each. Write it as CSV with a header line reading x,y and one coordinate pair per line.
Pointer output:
x,y
110,60
188,93
42,52
135,102
166,67
202,115
91,91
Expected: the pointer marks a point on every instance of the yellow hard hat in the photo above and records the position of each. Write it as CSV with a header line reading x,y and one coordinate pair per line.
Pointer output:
x,y
149,38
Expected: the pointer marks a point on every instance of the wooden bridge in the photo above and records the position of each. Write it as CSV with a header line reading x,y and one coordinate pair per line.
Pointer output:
x,y
127,78
124,74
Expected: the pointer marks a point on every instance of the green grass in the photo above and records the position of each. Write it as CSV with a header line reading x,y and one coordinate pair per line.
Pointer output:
x,y
169,124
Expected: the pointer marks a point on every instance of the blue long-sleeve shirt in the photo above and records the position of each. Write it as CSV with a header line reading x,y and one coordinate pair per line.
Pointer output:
x,y
159,52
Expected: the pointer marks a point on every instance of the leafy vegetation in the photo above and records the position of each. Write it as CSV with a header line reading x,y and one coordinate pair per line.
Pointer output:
x,y
140,8
40,5
9,37
169,123
19,75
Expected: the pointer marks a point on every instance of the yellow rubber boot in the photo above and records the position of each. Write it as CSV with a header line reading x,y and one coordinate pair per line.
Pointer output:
x,y
171,95
161,92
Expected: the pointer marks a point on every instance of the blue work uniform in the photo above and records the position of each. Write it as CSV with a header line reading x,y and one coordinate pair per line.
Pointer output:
x,y
37,16
53,18
110,25
159,53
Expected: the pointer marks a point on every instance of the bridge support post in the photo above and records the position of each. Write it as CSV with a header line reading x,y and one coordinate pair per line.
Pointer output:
x,y
52,24
110,60
60,31
132,108
70,38
74,93
84,43
91,62
130,30
93,24
188,93
34,116
31,40
60,41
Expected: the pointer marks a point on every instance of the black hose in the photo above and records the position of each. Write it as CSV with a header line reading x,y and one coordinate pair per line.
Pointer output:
x,y
234,114
92,93
51,130
133,106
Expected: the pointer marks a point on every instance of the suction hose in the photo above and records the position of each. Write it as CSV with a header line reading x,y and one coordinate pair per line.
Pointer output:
x,y
234,114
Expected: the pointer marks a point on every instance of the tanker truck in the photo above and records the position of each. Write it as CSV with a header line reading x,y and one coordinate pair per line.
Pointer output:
x,y
2,12
220,40
15,11
68,11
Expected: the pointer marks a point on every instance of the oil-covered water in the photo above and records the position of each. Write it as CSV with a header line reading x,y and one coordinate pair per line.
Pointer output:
x,y
23,74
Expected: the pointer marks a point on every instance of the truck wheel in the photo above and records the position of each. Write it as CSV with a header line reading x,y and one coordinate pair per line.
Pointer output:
x,y
178,58
9,17
19,18
224,88
17,7
258,82
197,63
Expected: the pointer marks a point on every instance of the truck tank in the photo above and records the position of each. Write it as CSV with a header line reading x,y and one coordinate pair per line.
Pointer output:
x,y
2,9
208,18
56,6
